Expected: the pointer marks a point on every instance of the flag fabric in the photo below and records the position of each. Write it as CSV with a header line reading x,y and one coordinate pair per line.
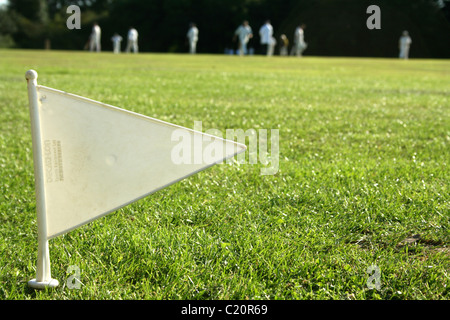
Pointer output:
x,y
98,158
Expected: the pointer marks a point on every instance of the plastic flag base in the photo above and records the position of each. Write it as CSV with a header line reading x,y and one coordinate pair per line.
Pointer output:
x,y
52,283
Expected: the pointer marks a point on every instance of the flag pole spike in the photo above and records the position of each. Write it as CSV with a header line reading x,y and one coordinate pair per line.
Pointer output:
x,y
43,274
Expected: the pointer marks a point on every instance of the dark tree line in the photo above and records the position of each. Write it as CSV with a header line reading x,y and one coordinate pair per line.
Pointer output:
x,y
334,27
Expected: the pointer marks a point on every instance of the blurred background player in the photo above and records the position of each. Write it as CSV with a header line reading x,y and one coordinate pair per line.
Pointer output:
x,y
132,40
271,47
116,40
192,36
95,38
299,41
265,34
404,43
244,33
284,45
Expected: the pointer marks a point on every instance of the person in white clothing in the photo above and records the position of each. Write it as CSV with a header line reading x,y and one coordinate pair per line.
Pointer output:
x,y
94,43
244,33
192,36
404,43
265,34
299,41
116,40
132,43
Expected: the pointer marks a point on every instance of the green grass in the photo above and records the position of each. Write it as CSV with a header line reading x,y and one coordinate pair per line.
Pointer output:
x,y
364,149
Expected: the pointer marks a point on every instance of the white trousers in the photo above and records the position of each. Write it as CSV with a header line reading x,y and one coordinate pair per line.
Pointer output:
x,y
95,44
132,45
192,47
404,52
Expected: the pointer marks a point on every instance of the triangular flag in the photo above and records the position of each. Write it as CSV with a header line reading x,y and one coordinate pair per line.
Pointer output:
x,y
98,158
92,158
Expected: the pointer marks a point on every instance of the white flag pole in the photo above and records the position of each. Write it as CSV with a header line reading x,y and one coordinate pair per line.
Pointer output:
x,y
43,275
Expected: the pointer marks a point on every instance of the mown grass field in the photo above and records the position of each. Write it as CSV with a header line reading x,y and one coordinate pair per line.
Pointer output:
x,y
363,167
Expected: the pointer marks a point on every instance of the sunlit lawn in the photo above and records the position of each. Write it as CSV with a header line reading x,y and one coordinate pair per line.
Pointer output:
x,y
363,167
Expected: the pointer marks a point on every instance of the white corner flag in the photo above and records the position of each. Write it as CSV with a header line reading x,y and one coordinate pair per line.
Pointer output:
x,y
91,159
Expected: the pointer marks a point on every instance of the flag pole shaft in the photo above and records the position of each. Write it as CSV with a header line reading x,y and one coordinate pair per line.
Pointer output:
x,y
43,273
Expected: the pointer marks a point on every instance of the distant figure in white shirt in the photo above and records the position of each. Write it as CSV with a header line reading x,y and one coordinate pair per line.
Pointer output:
x,y
299,41
192,36
116,40
244,33
95,38
132,43
404,44
265,34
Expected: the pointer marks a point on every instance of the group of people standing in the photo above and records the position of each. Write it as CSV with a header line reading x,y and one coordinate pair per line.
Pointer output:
x,y
132,40
94,43
243,33
267,40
